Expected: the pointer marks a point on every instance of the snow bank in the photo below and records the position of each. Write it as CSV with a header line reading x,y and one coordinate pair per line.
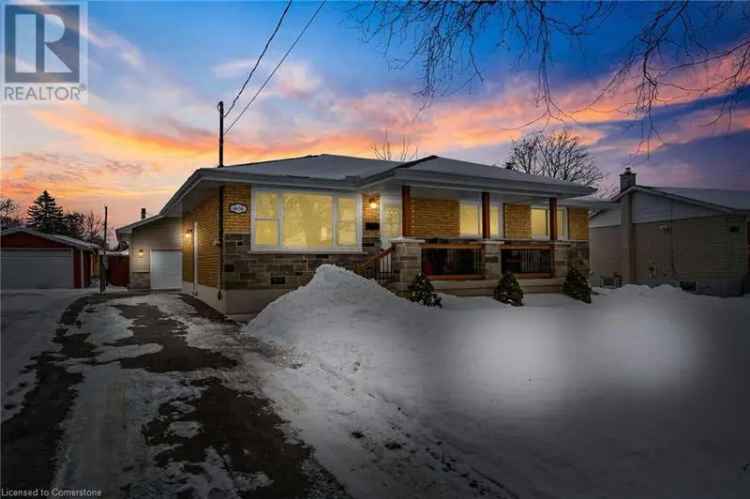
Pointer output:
x,y
620,398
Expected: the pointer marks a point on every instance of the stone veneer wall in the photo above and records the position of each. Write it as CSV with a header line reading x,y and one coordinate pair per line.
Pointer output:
x,y
246,270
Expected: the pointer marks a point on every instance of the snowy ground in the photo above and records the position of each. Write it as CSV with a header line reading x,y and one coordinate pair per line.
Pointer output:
x,y
642,394
147,396
28,320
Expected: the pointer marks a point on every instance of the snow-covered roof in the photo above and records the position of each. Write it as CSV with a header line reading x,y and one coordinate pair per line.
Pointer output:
x,y
328,171
437,164
69,241
732,199
721,199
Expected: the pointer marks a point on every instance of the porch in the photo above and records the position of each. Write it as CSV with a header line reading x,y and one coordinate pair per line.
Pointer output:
x,y
472,268
464,240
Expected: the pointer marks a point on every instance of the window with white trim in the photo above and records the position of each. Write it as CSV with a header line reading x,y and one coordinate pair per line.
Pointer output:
x,y
540,223
390,225
289,220
470,223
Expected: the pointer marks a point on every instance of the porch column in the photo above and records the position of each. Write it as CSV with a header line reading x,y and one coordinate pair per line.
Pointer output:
x,y
406,211
553,219
486,229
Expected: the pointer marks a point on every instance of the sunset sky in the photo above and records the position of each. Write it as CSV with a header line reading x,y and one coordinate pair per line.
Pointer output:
x,y
157,70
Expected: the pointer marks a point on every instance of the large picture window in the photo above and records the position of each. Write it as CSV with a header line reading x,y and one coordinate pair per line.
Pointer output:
x,y
305,221
469,222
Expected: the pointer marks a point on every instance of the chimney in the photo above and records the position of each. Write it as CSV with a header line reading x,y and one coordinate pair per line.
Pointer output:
x,y
143,213
627,180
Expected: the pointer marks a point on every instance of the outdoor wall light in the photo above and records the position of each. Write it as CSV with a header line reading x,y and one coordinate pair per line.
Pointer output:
x,y
373,203
188,233
140,252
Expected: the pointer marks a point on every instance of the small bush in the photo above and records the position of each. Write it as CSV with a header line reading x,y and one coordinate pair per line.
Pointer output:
x,y
422,292
509,291
577,286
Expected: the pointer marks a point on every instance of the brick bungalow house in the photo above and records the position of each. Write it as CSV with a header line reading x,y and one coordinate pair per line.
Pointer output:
x,y
695,238
243,235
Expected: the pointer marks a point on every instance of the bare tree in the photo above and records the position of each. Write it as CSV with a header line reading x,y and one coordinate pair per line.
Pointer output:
x,y
676,38
385,151
560,155
9,216
93,228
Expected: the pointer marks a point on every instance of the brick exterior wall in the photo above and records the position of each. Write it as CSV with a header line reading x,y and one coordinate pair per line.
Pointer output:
x,y
578,224
236,223
187,248
207,216
435,218
517,221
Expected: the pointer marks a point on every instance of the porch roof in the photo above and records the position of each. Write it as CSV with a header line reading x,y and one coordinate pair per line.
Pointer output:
x,y
327,171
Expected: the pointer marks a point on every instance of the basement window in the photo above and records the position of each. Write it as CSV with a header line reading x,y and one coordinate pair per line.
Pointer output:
x,y
305,221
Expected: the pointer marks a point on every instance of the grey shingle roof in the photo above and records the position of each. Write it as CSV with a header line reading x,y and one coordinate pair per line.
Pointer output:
x,y
322,166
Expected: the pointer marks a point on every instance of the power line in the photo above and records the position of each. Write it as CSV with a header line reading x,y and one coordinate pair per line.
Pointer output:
x,y
289,51
260,58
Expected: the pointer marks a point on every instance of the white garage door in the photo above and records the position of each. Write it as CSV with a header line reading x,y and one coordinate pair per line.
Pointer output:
x,y
33,269
166,269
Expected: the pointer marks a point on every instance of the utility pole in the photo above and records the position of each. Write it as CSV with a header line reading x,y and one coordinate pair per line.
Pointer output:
x,y
102,257
221,133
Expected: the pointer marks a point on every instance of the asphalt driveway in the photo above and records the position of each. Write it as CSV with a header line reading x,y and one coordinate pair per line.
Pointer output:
x,y
154,395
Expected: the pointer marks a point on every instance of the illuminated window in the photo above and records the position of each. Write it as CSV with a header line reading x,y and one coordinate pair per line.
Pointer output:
x,y
266,219
305,221
391,220
495,221
308,221
469,219
346,227
539,223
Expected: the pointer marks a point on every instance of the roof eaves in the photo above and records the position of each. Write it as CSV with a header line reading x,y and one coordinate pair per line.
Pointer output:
x,y
495,184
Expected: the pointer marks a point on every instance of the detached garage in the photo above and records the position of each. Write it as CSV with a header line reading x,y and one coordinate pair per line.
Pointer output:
x,y
35,260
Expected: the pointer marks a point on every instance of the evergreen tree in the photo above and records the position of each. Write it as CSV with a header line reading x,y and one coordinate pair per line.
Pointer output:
x,y
422,292
44,215
576,286
509,291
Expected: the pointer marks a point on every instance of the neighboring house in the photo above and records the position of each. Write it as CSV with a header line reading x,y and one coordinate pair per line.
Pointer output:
x,y
695,238
154,252
33,259
250,233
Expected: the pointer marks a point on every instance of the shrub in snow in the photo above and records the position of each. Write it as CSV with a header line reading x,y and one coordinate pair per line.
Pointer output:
x,y
422,292
576,286
509,291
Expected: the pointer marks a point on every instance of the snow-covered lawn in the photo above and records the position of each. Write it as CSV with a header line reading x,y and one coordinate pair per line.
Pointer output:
x,y
28,325
644,393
